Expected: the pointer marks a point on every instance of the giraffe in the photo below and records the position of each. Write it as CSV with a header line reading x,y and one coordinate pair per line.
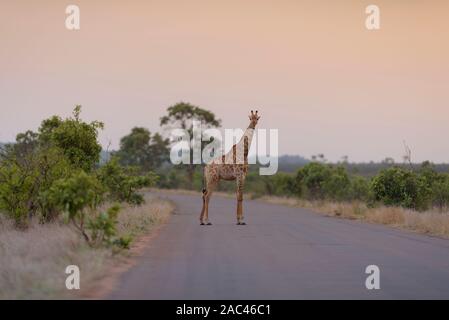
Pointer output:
x,y
231,166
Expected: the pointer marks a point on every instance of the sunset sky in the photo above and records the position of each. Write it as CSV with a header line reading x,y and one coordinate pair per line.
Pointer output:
x,y
311,68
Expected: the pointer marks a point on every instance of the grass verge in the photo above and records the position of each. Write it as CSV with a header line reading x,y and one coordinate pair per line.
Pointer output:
x,y
428,222
33,262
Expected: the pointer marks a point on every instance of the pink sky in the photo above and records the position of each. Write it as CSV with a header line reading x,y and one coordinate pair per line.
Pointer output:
x,y
310,67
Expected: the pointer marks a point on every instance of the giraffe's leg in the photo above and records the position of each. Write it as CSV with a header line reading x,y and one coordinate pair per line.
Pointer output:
x,y
206,198
203,209
206,207
240,183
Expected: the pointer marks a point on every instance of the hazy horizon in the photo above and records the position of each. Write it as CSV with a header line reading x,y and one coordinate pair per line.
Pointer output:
x,y
311,68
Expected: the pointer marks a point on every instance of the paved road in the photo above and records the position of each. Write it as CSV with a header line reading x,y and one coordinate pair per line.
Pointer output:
x,y
283,253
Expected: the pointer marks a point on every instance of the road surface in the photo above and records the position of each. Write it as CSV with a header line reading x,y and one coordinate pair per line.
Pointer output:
x,y
283,253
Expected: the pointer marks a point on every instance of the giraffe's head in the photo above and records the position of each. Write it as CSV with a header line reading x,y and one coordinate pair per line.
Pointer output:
x,y
254,118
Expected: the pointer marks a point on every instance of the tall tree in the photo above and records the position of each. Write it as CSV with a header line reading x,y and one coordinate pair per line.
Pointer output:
x,y
141,149
181,115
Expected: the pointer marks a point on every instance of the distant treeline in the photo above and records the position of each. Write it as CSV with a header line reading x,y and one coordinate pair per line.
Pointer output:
x,y
291,163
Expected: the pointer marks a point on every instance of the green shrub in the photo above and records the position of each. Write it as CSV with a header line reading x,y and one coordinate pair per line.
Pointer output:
x,y
24,179
103,229
322,181
280,184
440,192
337,185
171,179
401,187
122,184
359,188
310,180
76,139
16,193
77,197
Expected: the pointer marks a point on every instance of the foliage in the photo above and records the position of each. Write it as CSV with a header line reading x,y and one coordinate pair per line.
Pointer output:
x,y
24,178
141,149
171,179
440,192
317,180
77,139
402,187
360,188
122,183
75,196
280,184
55,171
337,185
310,180
103,229
182,115
30,167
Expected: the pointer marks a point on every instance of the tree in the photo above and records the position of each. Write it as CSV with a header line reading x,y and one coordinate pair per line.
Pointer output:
x,y
182,115
31,166
77,139
141,149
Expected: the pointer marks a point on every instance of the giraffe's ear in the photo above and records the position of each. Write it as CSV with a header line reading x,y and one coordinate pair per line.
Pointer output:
x,y
258,117
249,117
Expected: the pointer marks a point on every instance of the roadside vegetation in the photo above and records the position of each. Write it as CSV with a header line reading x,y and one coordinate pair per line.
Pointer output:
x,y
33,261
64,178
59,207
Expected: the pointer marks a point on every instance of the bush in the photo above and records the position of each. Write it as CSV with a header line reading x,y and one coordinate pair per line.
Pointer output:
x,y
280,184
122,184
103,229
322,181
24,178
359,188
440,192
401,187
310,180
76,197
16,193
171,179
336,186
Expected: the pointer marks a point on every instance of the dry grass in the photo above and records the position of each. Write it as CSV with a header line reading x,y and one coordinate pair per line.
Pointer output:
x,y
429,222
33,262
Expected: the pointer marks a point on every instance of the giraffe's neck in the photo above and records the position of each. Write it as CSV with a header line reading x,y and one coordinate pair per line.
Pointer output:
x,y
239,154
249,132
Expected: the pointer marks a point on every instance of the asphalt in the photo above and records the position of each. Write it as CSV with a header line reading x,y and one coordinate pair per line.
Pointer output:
x,y
283,253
